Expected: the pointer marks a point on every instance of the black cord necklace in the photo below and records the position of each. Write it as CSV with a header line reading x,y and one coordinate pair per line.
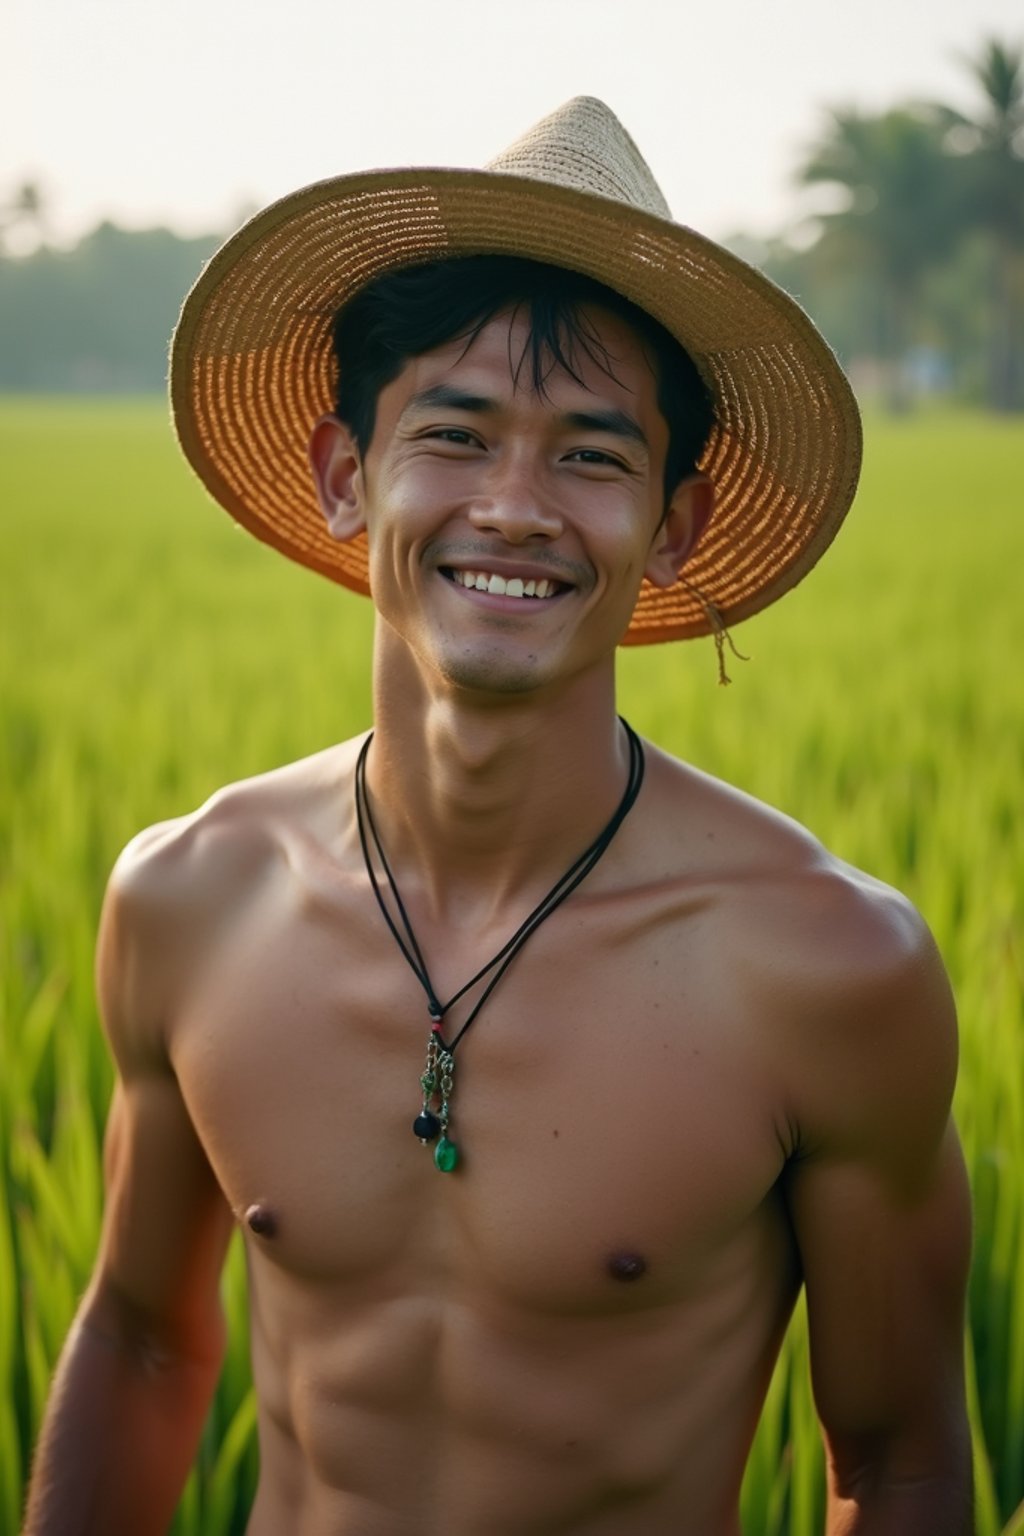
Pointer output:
x,y
436,1082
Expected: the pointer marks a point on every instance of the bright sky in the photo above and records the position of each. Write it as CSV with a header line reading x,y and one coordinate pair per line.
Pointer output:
x,y
186,111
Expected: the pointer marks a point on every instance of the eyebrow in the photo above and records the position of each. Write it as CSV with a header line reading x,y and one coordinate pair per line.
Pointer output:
x,y
617,423
446,396
449,398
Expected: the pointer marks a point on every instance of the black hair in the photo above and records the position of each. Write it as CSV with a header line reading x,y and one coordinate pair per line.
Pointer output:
x,y
407,312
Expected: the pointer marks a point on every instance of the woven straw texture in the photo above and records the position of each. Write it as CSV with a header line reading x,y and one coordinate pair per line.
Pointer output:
x,y
251,365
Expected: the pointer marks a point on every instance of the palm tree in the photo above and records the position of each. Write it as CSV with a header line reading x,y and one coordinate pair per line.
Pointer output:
x,y
26,210
894,222
990,147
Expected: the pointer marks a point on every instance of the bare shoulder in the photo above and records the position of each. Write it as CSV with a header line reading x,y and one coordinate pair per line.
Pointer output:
x,y
861,998
181,887
839,968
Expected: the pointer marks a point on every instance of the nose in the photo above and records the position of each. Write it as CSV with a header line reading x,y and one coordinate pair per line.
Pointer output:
x,y
513,504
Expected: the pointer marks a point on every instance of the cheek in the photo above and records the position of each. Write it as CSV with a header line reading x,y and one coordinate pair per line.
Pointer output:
x,y
614,509
622,536
412,502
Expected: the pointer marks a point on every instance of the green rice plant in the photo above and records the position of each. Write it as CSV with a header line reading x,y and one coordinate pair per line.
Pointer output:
x,y
151,653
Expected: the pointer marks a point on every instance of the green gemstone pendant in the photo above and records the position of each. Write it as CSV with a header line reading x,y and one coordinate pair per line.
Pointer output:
x,y
446,1155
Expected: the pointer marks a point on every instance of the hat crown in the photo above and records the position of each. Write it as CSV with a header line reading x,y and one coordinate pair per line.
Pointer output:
x,y
584,146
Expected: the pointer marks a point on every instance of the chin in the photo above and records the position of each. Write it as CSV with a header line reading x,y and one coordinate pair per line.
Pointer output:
x,y
491,671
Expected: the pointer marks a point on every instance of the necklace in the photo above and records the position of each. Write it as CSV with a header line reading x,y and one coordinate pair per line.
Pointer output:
x,y
437,1079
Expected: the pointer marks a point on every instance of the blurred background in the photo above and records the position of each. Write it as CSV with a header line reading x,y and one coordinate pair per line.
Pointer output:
x,y
870,158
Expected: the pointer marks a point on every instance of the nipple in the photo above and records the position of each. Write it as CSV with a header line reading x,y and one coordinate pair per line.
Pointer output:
x,y
261,1220
627,1266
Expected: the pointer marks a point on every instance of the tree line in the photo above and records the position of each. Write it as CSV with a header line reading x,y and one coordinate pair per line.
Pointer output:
x,y
915,273
96,318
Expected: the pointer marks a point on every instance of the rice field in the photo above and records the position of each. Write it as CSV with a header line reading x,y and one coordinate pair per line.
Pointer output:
x,y
151,652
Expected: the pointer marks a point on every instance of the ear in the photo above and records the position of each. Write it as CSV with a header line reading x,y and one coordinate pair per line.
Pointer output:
x,y
337,470
691,505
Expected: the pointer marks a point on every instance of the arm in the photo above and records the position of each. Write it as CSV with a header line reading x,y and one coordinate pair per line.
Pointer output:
x,y
879,1202
143,1355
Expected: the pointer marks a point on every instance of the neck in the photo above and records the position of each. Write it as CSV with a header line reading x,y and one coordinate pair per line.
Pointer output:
x,y
483,801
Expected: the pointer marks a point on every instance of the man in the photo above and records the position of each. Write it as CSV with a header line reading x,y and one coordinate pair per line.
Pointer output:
x,y
538,1069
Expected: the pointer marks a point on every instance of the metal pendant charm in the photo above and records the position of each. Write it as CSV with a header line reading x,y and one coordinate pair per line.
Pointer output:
x,y
446,1153
427,1126
432,1121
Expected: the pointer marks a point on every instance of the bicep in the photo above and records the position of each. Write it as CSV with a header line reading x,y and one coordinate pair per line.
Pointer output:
x,y
166,1222
879,1200
885,1260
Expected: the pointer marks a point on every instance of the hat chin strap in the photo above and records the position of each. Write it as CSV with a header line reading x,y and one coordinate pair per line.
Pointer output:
x,y
719,630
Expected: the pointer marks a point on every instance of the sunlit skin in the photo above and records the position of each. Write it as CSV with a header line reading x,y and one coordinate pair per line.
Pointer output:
x,y
468,470
723,1067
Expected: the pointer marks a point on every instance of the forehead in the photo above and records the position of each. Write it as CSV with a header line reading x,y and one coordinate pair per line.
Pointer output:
x,y
611,365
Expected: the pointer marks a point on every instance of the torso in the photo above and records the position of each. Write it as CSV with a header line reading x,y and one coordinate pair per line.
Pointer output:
x,y
573,1332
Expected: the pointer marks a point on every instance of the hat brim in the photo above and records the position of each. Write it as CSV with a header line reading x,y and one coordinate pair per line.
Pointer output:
x,y
252,368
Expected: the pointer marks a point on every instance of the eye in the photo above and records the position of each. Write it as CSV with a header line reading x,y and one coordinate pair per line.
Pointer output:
x,y
595,456
456,435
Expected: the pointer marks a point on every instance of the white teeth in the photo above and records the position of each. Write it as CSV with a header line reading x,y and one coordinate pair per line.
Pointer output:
x,y
514,586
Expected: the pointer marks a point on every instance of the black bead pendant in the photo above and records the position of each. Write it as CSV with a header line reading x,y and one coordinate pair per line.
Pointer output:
x,y
426,1126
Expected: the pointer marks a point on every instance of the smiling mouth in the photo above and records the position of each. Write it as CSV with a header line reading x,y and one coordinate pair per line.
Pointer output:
x,y
505,586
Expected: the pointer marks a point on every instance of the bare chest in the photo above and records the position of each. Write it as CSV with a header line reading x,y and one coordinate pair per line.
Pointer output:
x,y
613,1113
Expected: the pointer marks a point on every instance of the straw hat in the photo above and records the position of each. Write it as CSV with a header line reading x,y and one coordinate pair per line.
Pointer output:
x,y
251,364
